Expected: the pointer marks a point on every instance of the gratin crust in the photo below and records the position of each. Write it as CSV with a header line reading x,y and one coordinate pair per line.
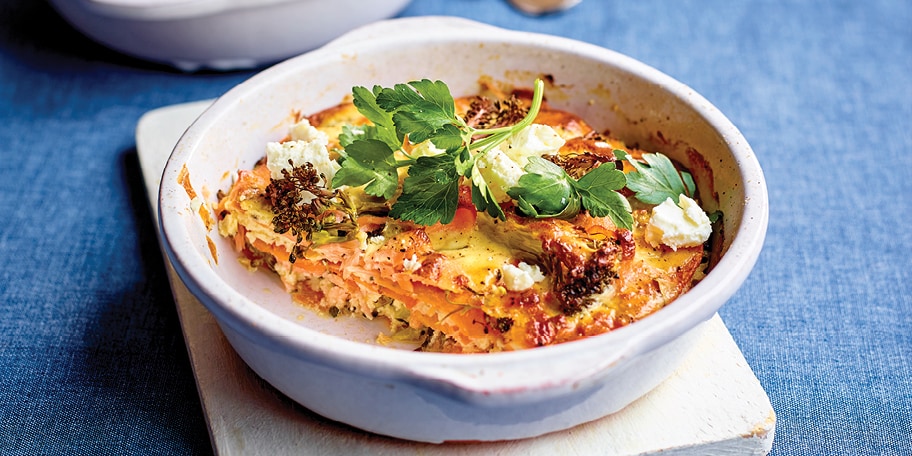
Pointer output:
x,y
442,286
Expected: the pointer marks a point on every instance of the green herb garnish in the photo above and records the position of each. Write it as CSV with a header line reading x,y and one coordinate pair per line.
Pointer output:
x,y
546,190
425,111
657,180
420,111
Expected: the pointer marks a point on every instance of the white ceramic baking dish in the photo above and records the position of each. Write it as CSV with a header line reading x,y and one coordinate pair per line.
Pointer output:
x,y
332,366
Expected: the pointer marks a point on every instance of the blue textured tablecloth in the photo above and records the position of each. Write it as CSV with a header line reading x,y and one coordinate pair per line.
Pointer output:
x,y
92,360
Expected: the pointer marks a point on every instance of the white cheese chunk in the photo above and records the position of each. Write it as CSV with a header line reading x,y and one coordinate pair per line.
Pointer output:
x,y
411,264
521,277
535,140
502,166
499,171
307,145
678,225
304,131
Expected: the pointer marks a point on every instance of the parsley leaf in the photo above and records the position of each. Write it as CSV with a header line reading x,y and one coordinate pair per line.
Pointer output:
x,y
371,162
430,193
598,191
484,200
419,109
449,138
351,134
383,128
546,190
657,179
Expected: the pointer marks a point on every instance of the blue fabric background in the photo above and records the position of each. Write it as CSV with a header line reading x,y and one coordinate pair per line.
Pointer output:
x,y
92,360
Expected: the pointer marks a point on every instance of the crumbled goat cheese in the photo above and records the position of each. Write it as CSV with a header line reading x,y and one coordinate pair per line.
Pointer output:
x,y
534,140
502,166
307,144
678,225
521,277
304,131
411,264
499,171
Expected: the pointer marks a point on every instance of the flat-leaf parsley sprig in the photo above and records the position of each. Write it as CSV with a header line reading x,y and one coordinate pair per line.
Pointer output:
x,y
420,111
425,111
658,179
546,190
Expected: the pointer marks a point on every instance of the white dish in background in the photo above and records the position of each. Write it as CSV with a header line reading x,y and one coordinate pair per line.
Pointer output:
x,y
220,34
328,366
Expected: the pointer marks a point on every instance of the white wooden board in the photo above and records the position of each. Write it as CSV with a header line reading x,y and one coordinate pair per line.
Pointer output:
x,y
712,405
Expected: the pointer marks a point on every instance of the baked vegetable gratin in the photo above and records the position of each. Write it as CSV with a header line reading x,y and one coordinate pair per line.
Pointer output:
x,y
483,223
